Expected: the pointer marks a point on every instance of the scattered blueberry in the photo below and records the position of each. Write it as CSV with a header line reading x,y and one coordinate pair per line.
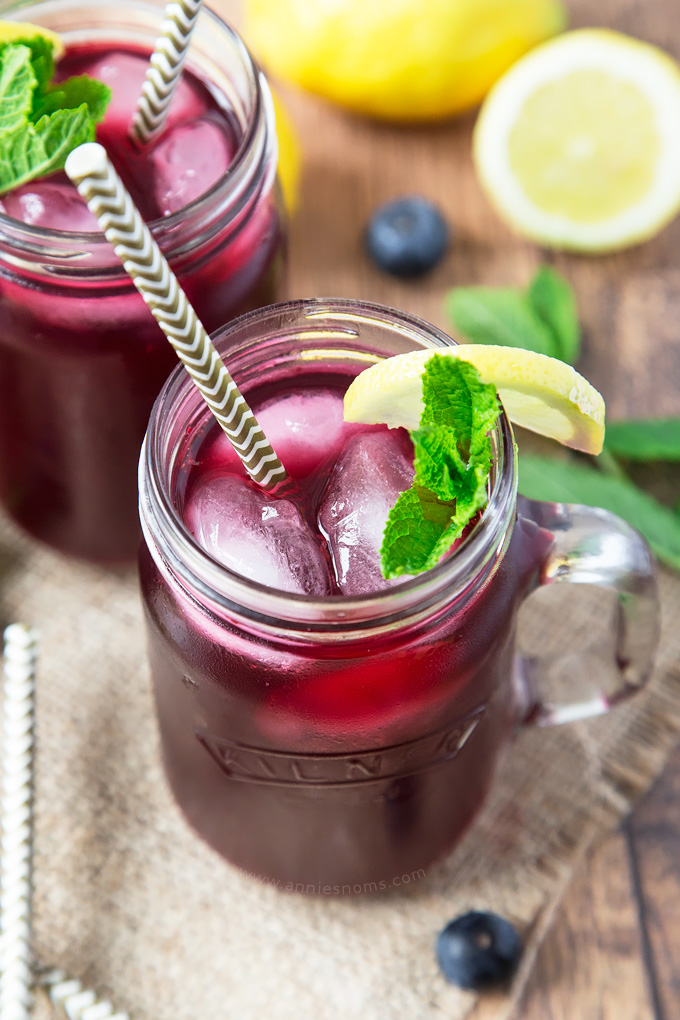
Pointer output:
x,y
407,236
478,949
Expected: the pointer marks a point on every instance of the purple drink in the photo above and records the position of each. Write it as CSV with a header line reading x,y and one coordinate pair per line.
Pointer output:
x,y
81,358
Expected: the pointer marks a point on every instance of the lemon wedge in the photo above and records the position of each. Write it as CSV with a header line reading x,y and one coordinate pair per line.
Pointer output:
x,y
539,393
20,31
577,145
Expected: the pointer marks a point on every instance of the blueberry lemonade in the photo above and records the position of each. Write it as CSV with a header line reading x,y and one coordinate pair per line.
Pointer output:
x,y
333,662
81,358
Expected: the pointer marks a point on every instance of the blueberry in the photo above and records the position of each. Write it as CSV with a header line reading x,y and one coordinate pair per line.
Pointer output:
x,y
478,949
407,236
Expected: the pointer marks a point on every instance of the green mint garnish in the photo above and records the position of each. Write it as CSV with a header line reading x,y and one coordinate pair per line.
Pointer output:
x,y
452,460
40,123
543,318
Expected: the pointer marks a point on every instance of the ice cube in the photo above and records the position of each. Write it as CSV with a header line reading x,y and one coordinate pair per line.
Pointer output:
x,y
264,539
366,481
124,73
188,159
52,202
306,429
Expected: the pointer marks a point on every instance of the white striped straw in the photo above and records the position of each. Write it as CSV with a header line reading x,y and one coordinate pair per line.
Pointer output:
x,y
164,70
17,822
76,1002
90,169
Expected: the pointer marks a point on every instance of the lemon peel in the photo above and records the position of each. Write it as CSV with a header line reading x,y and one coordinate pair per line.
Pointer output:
x,y
399,60
290,159
539,393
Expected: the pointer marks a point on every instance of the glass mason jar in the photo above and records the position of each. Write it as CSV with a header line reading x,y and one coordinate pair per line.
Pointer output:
x,y
81,357
333,745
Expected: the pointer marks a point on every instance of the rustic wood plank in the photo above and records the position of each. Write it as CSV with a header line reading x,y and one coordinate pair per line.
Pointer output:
x,y
655,833
591,965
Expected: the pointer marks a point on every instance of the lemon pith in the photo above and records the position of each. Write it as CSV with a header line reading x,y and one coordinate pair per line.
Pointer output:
x,y
577,145
539,393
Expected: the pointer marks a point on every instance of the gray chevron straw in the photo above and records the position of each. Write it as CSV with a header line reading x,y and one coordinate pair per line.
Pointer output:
x,y
90,169
164,70
76,1002
17,822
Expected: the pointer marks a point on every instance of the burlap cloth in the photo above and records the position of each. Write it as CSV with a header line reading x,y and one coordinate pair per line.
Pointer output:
x,y
129,901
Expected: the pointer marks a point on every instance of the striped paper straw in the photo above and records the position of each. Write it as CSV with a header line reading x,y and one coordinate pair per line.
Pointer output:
x,y
17,822
90,169
76,1002
164,70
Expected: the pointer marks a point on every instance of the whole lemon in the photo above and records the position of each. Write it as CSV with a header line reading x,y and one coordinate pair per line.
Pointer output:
x,y
404,60
290,159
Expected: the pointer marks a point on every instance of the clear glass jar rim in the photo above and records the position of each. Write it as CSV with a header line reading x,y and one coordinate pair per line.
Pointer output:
x,y
189,562
232,174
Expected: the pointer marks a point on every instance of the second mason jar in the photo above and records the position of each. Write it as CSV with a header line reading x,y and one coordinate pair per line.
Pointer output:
x,y
81,357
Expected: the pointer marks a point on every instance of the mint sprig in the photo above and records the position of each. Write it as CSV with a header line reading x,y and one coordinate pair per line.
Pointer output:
x,y
452,460
542,318
40,122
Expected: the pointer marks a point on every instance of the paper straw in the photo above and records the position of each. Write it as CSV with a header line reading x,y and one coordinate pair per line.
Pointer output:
x,y
90,169
17,822
164,70
76,1002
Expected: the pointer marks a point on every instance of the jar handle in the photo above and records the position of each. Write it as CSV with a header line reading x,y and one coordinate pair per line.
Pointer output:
x,y
595,547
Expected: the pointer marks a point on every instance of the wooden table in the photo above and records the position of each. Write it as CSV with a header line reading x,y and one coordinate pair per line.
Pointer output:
x,y
610,954
613,951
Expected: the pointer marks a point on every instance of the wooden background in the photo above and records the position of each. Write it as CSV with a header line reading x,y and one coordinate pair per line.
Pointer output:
x,y
613,952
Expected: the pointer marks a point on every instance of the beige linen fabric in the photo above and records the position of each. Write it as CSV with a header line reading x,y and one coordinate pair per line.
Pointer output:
x,y
129,901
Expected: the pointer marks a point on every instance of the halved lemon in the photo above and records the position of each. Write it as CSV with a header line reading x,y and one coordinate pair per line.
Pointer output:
x,y
18,31
539,393
578,146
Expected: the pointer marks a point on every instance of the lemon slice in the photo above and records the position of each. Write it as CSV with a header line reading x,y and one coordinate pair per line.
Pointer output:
x,y
18,31
578,145
539,393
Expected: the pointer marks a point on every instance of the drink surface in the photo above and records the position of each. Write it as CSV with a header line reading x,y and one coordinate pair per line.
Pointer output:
x,y
324,537
198,144
328,762
81,357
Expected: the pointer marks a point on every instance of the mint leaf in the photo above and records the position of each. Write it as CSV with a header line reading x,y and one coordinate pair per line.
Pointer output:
x,y
571,482
72,93
416,525
36,150
39,123
499,315
41,57
17,85
648,439
439,466
452,460
454,395
553,301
